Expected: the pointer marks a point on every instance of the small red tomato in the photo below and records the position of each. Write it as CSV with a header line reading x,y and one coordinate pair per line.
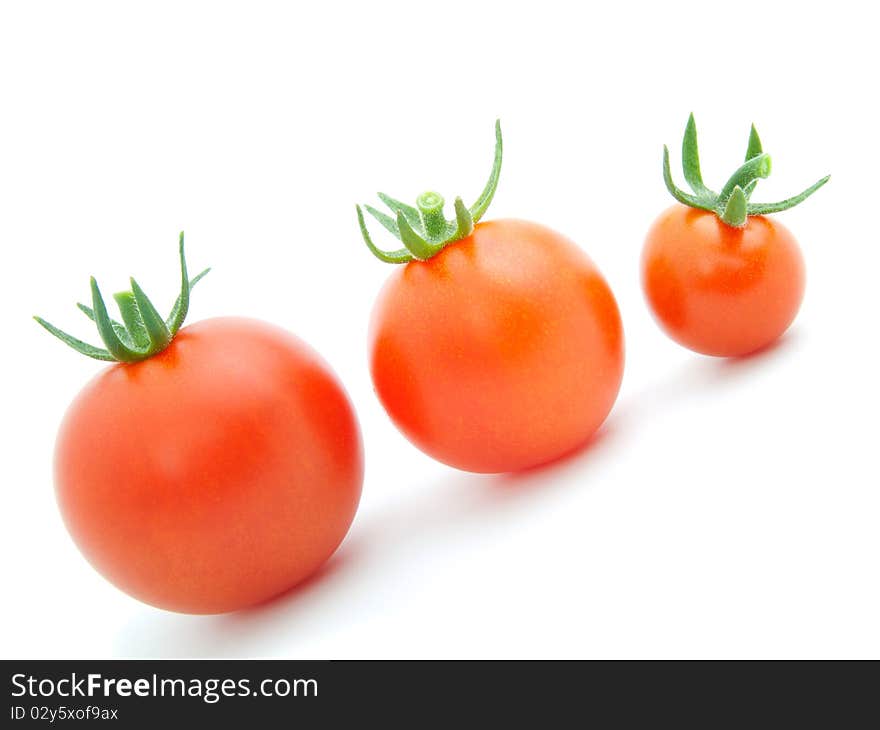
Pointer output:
x,y
213,474
495,350
722,290
720,277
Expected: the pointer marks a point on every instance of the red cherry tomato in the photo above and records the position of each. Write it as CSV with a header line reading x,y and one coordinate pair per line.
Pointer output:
x,y
503,351
722,290
215,474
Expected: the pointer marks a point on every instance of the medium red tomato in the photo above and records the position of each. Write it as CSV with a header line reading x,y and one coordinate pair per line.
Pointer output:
x,y
720,277
503,351
497,346
214,474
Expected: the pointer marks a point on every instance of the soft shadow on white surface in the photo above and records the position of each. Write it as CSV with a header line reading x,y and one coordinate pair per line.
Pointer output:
x,y
700,376
455,508
153,634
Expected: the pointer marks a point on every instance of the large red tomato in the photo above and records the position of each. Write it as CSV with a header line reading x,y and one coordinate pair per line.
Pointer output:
x,y
501,352
215,474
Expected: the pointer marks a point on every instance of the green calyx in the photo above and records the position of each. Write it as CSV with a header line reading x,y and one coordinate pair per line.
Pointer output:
x,y
142,332
732,205
424,230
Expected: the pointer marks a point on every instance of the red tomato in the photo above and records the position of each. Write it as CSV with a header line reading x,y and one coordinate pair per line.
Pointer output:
x,y
215,474
722,290
503,351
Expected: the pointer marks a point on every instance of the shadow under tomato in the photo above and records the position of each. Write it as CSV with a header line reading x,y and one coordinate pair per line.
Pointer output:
x,y
542,472
778,347
463,497
701,375
245,633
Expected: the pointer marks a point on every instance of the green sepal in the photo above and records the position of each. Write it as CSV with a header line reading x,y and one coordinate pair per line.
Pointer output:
x,y
479,208
181,304
764,208
401,256
736,209
756,168
81,347
155,326
408,212
681,196
142,333
732,205
755,147
122,351
389,223
690,159
423,230
120,327
131,316
414,243
464,220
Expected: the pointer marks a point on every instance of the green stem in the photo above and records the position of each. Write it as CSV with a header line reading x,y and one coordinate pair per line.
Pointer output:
x,y
423,230
430,207
142,333
732,204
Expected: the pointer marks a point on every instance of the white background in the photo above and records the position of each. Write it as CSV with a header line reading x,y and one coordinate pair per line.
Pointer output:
x,y
727,509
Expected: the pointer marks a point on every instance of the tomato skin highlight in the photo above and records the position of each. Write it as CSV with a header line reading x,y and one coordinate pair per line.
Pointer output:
x,y
214,475
502,352
721,290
